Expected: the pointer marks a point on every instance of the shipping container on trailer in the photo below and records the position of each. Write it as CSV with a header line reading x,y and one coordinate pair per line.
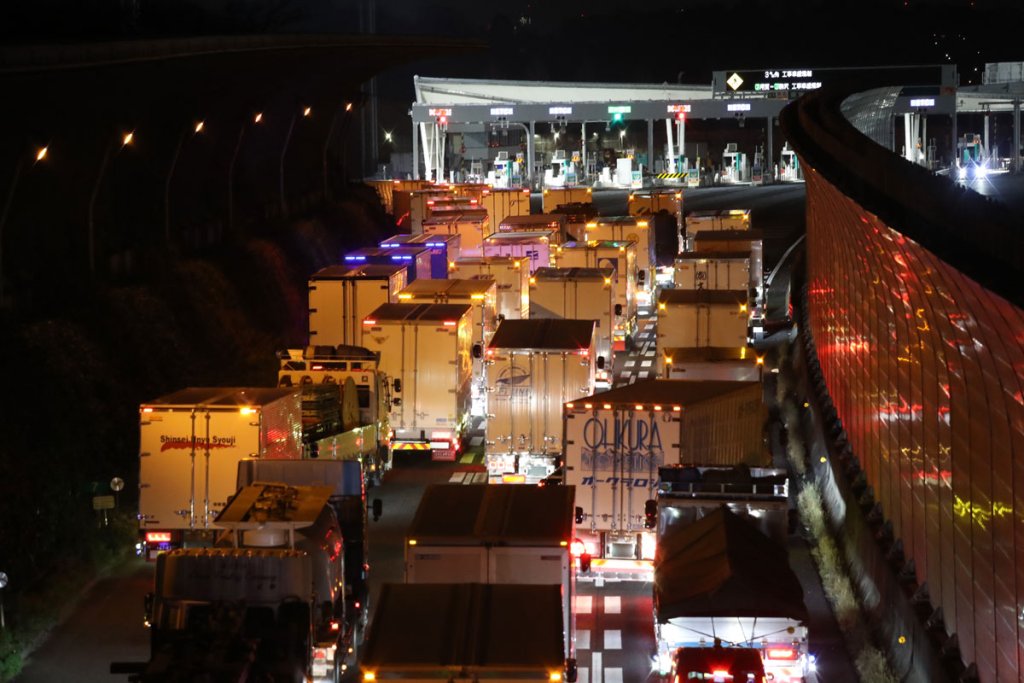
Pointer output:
x,y
714,270
733,363
416,259
424,633
190,443
471,226
577,215
511,276
426,352
341,296
533,368
636,230
722,219
538,222
729,241
615,442
554,197
495,535
443,249
579,294
664,211
420,202
701,317
481,295
501,203
619,257
536,246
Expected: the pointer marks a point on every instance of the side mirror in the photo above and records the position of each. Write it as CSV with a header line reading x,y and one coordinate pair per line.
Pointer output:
x,y
600,363
501,317
585,562
396,402
571,670
650,514
478,351
618,309
641,276
378,508
398,385
579,515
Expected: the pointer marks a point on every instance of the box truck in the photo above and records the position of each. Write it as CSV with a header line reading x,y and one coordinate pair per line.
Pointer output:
x,y
625,229
536,246
533,367
471,226
714,270
615,442
416,260
424,633
511,276
425,351
731,241
554,197
733,363
341,296
495,535
190,443
538,222
577,216
580,294
699,318
663,210
420,204
502,203
443,250
619,257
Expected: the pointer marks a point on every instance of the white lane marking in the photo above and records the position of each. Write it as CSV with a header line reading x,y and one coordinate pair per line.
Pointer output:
x,y
582,639
646,363
584,604
613,674
596,664
632,380
630,363
612,604
613,639
582,675
643,375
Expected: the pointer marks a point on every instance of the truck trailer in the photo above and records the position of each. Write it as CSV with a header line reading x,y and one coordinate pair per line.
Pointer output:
x,y
425,351
619,257
511,276
730,364
630,229
720,582
190,443
471,226
700,318
554,197
533,368
425,633
267,604
443,250
536,246
478,533
502,203
538,222
580,294
415,259
615,442
341,296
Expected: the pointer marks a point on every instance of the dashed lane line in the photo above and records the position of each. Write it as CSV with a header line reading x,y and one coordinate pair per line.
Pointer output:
x,y
612,604
596,664
646,363
582,639
613,674
613,639
584,604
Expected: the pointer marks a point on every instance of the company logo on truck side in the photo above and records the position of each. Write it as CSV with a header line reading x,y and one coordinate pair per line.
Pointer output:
x,y
624,445
509,384
623,481
168,443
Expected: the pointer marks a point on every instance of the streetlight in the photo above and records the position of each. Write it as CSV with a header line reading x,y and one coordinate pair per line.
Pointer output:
x,y
126,139
256,119
307,111
40,155
197,128
387,136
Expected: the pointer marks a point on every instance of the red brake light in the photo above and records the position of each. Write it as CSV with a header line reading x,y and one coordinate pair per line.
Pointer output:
x,y
369,322
449,323
782,653
335,626
158,537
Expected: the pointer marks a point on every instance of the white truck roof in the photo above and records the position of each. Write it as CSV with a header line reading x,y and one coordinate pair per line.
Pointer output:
x,y
544,334
226,398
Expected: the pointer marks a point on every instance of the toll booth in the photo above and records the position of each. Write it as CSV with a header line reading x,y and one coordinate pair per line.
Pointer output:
x,y
734,165
562,172
790,171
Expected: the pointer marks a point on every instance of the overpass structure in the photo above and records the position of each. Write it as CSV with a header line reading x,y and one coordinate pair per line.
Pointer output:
x,y
913,342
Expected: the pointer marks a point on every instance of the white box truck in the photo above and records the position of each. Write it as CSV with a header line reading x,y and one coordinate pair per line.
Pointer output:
x,y
638,231
495,535
425,350
701,317
190,444
747,241
538,222
619,257
536,246
511,276
714,270
341,296
471,226
733,364
533,368
579,294
554,197
420,204
502,203
415,259
615,442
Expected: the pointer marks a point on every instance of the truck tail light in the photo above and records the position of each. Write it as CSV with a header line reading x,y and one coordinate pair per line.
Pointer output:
x,y
786,653
513,479
158,537
369,322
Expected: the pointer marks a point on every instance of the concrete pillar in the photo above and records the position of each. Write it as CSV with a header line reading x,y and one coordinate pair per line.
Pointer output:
x,y
909,128
984,135
583,151
1015,156
529,154
924,139
415,151
769,157
892,133
650,145
956,156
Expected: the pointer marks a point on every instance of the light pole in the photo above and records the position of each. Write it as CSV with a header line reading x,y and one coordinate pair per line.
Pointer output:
x,y
125,140
284,150
347,107
40,155
256,119
196,130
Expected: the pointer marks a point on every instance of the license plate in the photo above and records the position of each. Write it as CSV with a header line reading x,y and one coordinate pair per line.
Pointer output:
x,y
443,455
